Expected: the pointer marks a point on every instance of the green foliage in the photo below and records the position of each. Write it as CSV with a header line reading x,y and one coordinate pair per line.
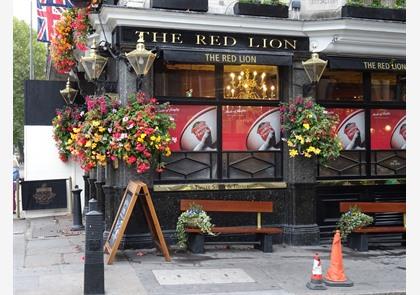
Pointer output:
x,y
310,130
351,220
399,4
21,73
355,2
194,216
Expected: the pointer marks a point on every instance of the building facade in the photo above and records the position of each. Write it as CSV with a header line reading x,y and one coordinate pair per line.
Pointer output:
x,y
225,75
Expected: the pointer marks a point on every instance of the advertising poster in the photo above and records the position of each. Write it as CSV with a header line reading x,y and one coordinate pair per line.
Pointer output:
x,y
351,128
196,127
250,128
388,129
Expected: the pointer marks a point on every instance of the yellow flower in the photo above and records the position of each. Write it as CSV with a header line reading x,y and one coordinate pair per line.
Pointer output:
x,y
310,149
307,155
167,152
96,123
100,157
88,143
317,151
143,135
101,129
76,130
73,136
139,139
299,137
127,146
308,139
158,139
93,145
70,141
293,153
306,126
97,137
289,143
152,138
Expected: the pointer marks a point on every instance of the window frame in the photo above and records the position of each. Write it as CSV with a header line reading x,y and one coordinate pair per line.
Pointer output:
x,y
219,101
367,105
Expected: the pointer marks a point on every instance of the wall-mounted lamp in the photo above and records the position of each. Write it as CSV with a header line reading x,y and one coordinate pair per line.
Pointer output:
x,y
69,94
140,59
93,64
314,67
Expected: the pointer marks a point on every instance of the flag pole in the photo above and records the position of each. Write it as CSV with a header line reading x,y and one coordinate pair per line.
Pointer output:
x,y
31,62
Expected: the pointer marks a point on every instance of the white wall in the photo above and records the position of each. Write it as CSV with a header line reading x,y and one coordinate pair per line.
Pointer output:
x,y
42,161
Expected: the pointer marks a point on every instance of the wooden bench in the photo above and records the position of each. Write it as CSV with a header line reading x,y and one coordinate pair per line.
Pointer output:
x,y
264,235
358,240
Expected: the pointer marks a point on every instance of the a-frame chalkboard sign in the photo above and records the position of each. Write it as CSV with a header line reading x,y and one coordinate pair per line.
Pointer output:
x,y
136,191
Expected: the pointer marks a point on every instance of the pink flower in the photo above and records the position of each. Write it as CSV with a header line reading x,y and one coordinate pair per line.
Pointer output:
x,y
131,160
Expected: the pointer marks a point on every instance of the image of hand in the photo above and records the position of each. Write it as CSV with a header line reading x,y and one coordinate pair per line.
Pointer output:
x,y
354,135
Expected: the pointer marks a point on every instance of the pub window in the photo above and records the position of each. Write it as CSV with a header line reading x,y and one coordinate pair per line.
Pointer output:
x,y
185,80
372,130
388,141
218,138
340,86
387,87
250,82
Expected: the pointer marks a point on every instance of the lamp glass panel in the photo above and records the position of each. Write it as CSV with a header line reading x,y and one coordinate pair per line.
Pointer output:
x,y
141,61
94,67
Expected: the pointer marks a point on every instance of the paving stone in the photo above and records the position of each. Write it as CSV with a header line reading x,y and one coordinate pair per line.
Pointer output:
x,y
202,276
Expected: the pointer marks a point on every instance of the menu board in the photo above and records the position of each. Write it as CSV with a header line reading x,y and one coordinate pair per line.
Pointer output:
x,y
136,190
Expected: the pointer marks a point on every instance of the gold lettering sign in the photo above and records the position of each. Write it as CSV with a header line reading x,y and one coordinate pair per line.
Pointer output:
x,y
222,40
218,186
378,65
230,58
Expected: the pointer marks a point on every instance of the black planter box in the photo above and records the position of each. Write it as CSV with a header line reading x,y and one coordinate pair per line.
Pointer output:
x,y
194,5
373,13
281,11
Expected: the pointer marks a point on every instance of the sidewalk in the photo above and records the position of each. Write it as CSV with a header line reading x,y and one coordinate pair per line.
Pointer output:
x,y
48,259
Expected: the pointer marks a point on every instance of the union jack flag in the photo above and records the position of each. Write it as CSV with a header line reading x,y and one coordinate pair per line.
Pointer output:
x,y
49,12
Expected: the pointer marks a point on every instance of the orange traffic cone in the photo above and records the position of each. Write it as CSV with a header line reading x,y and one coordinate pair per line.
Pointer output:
x,y
335,276
316,282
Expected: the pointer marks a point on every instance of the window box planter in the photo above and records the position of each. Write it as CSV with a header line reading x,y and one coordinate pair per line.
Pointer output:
x,y
280,11
373,13
194,5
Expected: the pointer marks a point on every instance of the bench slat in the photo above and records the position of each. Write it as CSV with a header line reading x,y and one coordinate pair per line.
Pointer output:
x,y
381,229
239,230
229,206
374,207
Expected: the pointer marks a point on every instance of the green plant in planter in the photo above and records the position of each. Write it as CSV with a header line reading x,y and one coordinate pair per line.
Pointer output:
x,y
351,220
195,216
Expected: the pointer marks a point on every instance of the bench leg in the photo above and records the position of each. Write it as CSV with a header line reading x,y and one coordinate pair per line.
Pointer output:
x,y
358,242
266,243
196,243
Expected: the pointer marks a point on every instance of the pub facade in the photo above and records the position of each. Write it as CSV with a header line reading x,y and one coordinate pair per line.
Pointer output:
x,y
225,77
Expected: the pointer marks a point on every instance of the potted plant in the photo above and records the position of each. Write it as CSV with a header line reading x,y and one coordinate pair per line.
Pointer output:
x,y
352,220
376,10
272,8
193,5
194,217
309,130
